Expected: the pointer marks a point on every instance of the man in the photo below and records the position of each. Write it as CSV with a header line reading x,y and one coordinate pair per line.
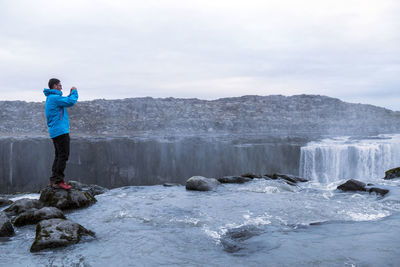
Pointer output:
x,y
58,124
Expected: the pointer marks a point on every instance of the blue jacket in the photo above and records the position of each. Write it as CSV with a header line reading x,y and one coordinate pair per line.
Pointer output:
x,y
56,112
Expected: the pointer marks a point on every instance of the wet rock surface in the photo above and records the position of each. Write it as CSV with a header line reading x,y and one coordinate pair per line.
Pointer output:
x,y
200,183
66,199
22,205
55,233
36,215
352,185
251,175
91,188
392,174
6,228
234,179
232,240
289,178
5,202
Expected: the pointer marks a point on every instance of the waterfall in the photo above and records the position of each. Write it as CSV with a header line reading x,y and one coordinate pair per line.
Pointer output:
x,y
10,177
339,158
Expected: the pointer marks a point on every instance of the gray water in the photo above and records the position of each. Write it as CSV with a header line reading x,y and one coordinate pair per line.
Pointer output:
x,y
261,223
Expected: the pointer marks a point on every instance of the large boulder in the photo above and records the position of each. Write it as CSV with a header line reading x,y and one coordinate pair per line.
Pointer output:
x,y
392,173
34,216
352,185
6,228
55,233
233,179
91,188
22,205
200,183
5,202
66,199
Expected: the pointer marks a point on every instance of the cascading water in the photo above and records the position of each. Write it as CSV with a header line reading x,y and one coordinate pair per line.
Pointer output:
x,y
364,159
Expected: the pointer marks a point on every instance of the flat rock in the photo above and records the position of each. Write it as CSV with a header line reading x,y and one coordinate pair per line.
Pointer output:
x,y
66,199
5,202
377,190
200,183
22,205
6,228
289,177
392,173
55,233
251,175
233,180
91,188
171,184
352,185
34,216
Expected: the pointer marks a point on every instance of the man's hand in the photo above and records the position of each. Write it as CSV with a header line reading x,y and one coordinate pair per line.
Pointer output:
x,y
73,88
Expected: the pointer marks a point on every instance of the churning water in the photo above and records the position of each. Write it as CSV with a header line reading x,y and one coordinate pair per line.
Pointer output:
x,y
259,223
333,159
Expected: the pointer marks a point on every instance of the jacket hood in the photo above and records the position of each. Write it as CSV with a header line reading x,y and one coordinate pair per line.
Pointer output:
x,y
48,92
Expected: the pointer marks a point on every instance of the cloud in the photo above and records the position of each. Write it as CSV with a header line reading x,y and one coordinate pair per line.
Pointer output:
x,y
205,49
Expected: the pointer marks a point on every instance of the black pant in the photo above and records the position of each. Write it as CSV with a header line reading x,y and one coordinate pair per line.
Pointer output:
x,y
61,147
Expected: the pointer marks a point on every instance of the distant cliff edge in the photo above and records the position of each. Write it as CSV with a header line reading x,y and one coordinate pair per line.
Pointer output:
x,y
275,115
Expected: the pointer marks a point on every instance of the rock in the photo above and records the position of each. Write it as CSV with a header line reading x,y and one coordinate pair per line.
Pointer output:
x,y
55,233
170,184
352,185
5,202
233,180
376,190
200,183
6,228
289,177
233,238
251,175
392,173
22,205
92,188
66,199
34,216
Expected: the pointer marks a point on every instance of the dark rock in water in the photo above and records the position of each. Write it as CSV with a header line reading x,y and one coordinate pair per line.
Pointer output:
x,y
5,202
251,175
6,228
352,185
66,199
171,184
55,233
233,238
376,190
200,183
34,216
233,180
289,177
392,173
268,176
22,205
92,188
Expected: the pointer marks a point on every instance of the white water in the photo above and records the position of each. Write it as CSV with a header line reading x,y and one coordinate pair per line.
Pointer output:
x,y
341,158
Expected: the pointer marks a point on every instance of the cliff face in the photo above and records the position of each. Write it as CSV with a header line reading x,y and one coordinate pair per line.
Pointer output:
x,y
272,115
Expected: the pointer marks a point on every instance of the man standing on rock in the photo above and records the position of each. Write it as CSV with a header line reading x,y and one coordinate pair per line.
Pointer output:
x,y
58,124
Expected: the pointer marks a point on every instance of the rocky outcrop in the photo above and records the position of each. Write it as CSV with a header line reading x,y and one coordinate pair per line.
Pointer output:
x,y
6,228
22,205
34,216
55,233
233,180
92,188
392,174
289,177
66,199
200,183
251,175
5,202
355,185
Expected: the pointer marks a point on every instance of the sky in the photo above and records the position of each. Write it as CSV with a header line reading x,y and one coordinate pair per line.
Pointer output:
x,y
113,49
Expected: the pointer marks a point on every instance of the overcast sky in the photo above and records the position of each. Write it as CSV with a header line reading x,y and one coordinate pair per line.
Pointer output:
x,y
349,49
